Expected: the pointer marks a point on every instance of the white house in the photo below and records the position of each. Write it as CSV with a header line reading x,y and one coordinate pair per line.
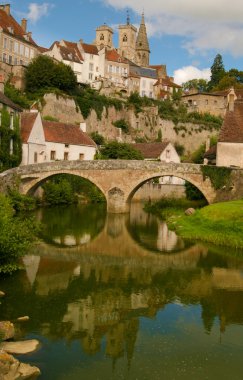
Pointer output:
x,y
45,141
148,77
164,152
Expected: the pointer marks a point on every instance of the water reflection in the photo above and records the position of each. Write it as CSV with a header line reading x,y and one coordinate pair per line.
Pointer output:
x,y
114,300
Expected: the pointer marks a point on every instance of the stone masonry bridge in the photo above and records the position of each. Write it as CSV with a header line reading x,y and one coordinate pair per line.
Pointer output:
x,y
120,179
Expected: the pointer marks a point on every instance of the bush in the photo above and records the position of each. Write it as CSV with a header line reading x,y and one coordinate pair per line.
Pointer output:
x,y
122,124
16,236
97,138
16,95
122,151
58,192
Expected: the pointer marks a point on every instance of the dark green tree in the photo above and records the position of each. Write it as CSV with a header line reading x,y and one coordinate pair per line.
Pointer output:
x,y
97,138
44,73
121,151
217,72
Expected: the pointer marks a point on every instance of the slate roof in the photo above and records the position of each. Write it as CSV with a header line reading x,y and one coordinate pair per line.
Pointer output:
x,y
27,123
143,72
7,22
151,150
7,102
232,128
65,134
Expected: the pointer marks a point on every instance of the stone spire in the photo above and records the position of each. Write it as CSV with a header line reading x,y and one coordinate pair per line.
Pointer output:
x,y
142,45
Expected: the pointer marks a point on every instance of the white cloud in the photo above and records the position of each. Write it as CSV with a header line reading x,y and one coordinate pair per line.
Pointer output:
x,y
208,24
36,11
190,72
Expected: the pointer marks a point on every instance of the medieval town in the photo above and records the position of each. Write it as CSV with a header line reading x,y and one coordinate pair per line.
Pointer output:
x,y
121,198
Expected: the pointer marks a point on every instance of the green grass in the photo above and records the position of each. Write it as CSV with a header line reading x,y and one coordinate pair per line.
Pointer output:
x,y
220,223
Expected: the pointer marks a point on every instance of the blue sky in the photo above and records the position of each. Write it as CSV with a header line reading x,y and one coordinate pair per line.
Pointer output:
x,y
184,34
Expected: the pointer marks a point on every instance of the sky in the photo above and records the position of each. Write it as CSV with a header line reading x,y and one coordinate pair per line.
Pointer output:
x,y
185,35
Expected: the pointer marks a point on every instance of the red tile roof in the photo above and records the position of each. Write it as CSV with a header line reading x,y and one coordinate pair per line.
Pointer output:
x,y
90,49
112,55
73,48
27,123
42,49
232,128
7,22
166,82
65,134
151,150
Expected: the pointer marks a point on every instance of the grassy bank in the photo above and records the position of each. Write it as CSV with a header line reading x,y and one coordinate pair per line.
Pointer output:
x,y
220,223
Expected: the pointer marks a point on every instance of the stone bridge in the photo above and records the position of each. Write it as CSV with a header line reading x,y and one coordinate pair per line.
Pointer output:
x,y
120,179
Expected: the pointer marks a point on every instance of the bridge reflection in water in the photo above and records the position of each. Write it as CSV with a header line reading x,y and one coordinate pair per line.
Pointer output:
x,y
131,267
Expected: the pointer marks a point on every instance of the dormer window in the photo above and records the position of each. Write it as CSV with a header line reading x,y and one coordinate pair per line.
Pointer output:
x,y
102,37
26,37
10,29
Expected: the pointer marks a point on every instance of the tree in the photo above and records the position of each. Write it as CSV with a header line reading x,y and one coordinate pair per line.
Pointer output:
x,y
217,71
122,151
44,73
200,85
97,138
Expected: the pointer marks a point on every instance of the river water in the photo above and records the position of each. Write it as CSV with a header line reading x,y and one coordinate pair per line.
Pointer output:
x,y
122,297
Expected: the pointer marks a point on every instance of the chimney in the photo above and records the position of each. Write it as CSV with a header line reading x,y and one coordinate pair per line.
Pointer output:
x,y
24,24
6,8
83,127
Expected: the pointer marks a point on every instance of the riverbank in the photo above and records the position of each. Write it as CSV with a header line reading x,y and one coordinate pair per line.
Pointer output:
x,y
219,223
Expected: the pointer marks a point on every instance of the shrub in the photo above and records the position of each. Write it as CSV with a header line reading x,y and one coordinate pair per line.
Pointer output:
x,y
122,151
122,124
97,138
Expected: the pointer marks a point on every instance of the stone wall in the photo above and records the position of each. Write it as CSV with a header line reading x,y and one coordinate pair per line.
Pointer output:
x,y
15,73
144,125
154,192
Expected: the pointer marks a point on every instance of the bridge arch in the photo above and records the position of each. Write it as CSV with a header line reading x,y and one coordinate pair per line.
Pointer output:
x,y
200,186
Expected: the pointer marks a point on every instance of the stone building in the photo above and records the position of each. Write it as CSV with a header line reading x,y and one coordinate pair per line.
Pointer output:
x,y
213,103
230,142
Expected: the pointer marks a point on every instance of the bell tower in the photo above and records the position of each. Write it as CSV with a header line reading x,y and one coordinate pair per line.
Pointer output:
x,y
142,45
127,40
104,35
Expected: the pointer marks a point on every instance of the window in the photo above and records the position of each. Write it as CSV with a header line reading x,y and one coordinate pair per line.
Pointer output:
x,y
91,57
124,38
117,69
65,156
90,76
5,43
143,93
102,37
32,54
151,94
35,157
110,69
21,49
168,153
66,145
4,57
53,155
91,67
27,52
16,47
10,60
15,61
81,156
11,45
144,83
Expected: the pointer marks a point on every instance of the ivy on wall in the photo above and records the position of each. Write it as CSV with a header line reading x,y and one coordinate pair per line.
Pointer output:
x,y
10,141
219,176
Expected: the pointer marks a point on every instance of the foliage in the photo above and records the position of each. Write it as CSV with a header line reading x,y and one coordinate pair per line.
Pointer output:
x,y
122,124
201,85
67,189
97,138
219,223
159,138
16,236
197,155
217,71
89,99
49,118
16,95
177,94
58,192
9,159
219,176
138,102
180,149
44,73
22,202
122,151
192,192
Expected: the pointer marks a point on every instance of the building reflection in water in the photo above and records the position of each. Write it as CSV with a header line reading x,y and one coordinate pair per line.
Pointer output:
x,y
102,288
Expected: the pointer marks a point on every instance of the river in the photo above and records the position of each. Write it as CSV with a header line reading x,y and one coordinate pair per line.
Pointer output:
x,y
122,297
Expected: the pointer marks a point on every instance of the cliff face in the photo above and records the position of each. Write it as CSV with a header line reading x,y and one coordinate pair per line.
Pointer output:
x,y
144,124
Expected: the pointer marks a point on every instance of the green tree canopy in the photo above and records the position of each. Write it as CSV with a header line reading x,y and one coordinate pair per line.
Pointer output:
x,y
43,73
121,151
217,71
198,84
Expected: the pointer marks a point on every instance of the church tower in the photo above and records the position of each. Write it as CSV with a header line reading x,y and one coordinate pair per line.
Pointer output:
x,y
142,45
127,40
104,36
